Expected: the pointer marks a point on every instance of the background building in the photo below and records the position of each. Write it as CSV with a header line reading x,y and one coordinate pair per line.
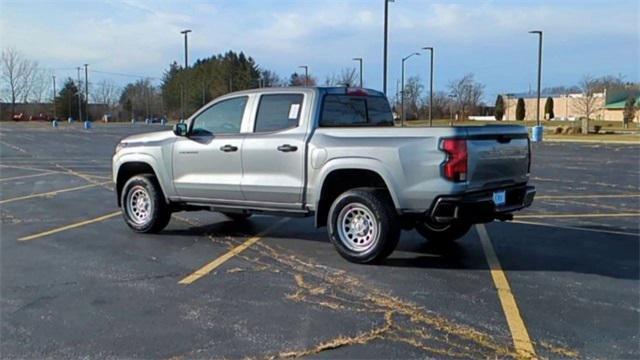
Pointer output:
x,y
607,106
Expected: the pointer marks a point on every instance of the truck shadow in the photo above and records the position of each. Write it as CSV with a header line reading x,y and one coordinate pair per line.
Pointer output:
x,y
524,247
519,247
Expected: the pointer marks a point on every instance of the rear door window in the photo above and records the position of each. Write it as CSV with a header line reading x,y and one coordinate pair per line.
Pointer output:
x,y
278,112
345,110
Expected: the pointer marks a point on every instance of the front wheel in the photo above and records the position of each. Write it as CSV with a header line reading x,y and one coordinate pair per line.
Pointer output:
x,y
363,225
442,232
143,205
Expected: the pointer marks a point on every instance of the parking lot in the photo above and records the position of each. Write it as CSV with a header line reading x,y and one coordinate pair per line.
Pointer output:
x,y
560,281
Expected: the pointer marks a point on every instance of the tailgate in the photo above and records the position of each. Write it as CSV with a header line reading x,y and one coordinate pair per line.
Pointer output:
x,y
497,156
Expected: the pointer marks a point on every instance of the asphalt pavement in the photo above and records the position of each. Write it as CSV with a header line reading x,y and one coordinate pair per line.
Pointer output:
x,y
560,281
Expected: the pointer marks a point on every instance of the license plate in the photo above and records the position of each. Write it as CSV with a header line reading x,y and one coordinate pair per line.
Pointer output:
x,y
499,198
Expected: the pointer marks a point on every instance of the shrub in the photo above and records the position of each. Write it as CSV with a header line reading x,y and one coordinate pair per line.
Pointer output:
x,y
520,110
499,113
548,108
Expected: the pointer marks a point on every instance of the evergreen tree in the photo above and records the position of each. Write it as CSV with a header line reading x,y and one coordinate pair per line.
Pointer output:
x,y
207,79
499,113
629,111
548,108
520,110
67,101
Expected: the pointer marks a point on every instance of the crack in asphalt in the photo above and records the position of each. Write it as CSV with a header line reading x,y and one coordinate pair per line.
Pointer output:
x,y
402,321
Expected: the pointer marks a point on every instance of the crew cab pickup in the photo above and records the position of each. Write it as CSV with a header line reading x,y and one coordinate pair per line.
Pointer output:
x,y
334,153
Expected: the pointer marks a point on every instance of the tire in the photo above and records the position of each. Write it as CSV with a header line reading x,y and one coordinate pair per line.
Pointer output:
x,y
237,216
143,205
377,221
441,232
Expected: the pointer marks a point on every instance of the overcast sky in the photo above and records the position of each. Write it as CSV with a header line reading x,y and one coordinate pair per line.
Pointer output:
x,y
487,38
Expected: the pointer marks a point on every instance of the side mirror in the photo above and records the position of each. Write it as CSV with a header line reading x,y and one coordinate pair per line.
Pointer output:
x,y
180,129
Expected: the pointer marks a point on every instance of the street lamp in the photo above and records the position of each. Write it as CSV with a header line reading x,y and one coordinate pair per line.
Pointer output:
x,y
386,38
186,65
306,74
402,93
539,129
430,86
360,61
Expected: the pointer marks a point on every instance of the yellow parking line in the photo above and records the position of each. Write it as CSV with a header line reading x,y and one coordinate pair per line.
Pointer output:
x,y
603,196
590,215
519,333
206,269
29,176
68,227
52,193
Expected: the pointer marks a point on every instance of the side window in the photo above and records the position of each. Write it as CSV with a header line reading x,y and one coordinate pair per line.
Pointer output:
x,y
224,117
278,112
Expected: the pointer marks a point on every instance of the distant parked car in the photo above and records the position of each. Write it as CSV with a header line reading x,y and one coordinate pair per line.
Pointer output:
x,y
40,117
19,117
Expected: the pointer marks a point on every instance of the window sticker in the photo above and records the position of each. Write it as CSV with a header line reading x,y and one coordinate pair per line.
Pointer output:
x,y
293,111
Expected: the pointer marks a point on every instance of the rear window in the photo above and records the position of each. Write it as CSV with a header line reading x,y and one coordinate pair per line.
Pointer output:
x,y
345,110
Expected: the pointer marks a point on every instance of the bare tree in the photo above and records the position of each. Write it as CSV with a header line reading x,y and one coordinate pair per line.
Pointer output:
x,y
16,75
299,80
106,92
270,79
347,77
587,103
468,94
609,83
412,94
40,85
441,104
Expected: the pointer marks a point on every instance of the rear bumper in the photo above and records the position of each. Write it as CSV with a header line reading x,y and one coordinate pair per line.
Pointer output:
x,y
478,207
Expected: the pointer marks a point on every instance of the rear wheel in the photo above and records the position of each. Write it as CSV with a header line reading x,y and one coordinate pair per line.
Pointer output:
x,y
236,216
143,205
442,232
363,225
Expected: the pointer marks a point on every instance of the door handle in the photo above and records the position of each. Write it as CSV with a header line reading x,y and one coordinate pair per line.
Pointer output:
x,y
287,148
228,148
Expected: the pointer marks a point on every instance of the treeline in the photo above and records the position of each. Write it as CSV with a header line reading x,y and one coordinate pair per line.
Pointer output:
x,y
463,98
207,79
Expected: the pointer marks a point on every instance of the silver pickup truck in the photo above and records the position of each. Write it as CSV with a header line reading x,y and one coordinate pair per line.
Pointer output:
x,y
333,153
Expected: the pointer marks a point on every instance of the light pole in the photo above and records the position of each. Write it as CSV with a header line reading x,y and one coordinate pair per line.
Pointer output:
x,y
360,61
86,90
186,65
54,97
402,91
539,32
79,93
306,74
430,86
386,38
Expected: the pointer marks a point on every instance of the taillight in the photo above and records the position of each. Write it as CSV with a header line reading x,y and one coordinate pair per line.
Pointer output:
x,y
455,167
